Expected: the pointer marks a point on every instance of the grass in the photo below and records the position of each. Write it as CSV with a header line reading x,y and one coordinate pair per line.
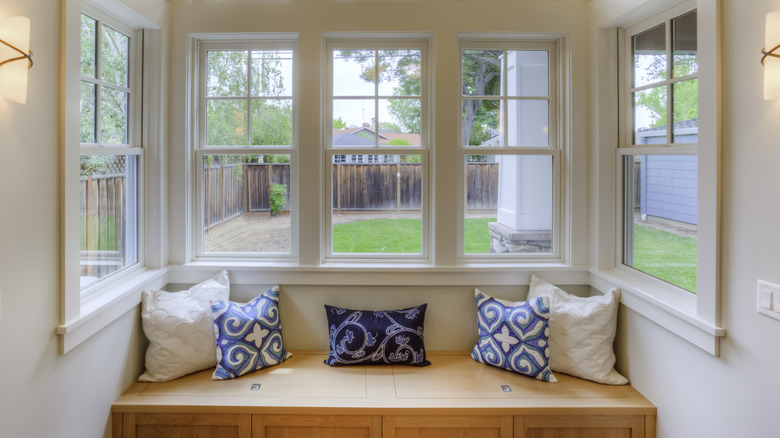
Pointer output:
x,y
400,236
667,256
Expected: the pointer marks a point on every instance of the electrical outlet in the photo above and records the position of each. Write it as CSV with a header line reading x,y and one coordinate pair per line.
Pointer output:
x,y
768,299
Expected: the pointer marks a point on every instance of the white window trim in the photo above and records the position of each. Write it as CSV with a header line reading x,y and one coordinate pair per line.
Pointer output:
x,y
378,40
84,313
558,149
695,318
200,44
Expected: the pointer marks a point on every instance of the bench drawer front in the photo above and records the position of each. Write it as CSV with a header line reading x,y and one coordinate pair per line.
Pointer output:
x,y
320,426
595,426
186,426
447,427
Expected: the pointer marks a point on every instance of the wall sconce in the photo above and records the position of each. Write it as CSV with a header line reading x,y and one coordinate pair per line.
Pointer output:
x,y
15,58
771,59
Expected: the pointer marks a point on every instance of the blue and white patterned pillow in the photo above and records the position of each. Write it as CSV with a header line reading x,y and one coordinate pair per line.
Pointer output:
x,y
249,336
386,337
514,335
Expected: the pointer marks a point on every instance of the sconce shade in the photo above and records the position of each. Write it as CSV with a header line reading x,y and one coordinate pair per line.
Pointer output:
x,y
772,63
14,32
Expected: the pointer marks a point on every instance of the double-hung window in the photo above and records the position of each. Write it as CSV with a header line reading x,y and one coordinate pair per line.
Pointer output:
x,y
111,155
667,209
376,114
660,149
246,156
511,141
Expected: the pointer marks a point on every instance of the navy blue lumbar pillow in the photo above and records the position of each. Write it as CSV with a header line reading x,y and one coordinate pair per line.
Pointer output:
x,y
385,337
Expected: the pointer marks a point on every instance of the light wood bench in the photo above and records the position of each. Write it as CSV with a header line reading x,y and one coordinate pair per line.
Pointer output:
x,y
454,397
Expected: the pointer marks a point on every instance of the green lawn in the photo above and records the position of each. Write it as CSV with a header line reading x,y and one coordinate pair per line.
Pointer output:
x,y
667,256
400,236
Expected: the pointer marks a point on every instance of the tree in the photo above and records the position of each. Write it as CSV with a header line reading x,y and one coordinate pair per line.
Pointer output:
x,y
395,66
339,124
481,77
270,113
686,93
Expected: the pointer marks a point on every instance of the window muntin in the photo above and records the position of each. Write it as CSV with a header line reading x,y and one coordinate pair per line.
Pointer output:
x,y
377,94
664,75
370,109
509,131
660,184
246,156
249,97
506,97
110,159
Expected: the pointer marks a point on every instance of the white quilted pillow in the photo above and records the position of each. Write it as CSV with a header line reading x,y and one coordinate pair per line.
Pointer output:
x,y
180,329
582,331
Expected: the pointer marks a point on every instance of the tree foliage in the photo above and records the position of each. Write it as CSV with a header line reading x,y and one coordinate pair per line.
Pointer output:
x,y
685,93
234,75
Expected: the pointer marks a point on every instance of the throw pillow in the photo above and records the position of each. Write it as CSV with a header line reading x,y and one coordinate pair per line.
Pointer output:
x,y
582,331
249,336
180,329
513,335
364,337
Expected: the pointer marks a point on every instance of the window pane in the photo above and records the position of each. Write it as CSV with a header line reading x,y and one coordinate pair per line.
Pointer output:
x,y
650,56
399,72
226,74
686,111
509,204
113,116
481,122
661,216
650,116
528,73
353,122
272,73
377,208
399,122
88,46
684,45
246,204
527,123
88,112
482,72
226,122
109,230
354,72
272,122
114,57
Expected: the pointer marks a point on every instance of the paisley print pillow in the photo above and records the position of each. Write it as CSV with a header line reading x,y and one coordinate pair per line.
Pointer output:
x,y
249,336
386,337
514,335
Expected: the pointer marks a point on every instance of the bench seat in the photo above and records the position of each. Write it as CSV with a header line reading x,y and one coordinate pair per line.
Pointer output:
x,y
454,397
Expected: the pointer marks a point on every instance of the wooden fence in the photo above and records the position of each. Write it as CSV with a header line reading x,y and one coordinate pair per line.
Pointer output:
x,y
394,186
102,224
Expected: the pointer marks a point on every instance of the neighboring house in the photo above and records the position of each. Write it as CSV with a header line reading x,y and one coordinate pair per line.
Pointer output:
x,y
668,184
364,136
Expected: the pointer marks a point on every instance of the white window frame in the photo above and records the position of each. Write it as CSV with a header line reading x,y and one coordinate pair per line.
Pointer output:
x,y
133,147
557,148
695,318
84,313
265,41
377,41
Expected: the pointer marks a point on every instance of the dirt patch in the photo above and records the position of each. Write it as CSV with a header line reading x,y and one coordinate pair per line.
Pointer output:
x,y
250,232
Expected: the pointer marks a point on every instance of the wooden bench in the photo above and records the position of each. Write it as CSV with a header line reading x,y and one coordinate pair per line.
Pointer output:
x,y
455,397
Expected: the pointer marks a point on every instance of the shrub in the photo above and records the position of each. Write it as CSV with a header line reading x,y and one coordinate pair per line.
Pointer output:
x,y
278,191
